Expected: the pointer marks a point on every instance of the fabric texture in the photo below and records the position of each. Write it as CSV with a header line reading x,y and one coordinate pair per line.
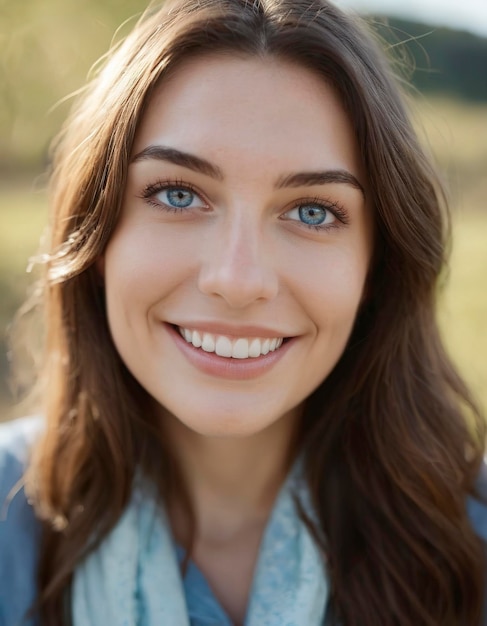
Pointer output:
x,y
203,607
20,535
19,528
133,578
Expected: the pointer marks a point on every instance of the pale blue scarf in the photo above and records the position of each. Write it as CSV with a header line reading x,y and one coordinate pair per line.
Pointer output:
x,y
133,578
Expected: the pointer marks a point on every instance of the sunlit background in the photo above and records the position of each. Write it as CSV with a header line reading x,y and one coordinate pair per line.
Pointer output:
x,y
470,15
48,48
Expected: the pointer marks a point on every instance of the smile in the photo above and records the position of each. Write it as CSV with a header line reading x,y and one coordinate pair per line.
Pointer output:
x,y
232,348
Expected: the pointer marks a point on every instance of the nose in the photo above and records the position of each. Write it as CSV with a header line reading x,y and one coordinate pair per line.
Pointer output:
x,y
238,266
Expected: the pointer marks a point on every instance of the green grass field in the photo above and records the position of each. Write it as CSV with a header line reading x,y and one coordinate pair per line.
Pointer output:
x,y
22,219
463,304
463,312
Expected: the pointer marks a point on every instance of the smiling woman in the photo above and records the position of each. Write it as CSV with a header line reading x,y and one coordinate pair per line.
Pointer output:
x,y
240,212
248,416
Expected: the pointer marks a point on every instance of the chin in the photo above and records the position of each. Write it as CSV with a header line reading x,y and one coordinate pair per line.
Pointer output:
x,y
225,426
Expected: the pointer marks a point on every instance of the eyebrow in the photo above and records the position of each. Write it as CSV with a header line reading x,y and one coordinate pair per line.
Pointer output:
x,y
307,179
198,164
190,161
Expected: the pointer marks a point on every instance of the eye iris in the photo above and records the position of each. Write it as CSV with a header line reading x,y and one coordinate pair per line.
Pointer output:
x,y
312,214
180,198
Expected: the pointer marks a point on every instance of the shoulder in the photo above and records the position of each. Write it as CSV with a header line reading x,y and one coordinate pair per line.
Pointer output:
x,y
477,506
19,528
16,440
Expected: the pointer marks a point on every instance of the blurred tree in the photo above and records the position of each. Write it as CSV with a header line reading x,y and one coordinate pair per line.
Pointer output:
x,y
48,47
444,61
46,51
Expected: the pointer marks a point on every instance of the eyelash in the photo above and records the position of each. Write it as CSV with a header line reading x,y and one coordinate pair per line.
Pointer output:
x,y
161,185
328,205
332,206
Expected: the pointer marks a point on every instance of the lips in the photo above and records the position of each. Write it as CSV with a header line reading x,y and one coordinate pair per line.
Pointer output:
x,y
240,339
231,347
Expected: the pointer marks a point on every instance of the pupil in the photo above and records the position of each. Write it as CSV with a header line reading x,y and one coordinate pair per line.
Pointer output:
x,y
180,197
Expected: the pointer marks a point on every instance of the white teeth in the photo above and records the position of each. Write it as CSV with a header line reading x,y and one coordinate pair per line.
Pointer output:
x,y
239,348
208,343
254,348
196,339
223,346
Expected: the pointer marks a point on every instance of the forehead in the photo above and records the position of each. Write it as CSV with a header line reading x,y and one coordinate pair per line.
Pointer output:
x,y
262,109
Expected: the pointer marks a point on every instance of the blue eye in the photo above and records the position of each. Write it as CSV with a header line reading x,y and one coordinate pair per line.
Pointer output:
x,y
179,197
313,214
173,196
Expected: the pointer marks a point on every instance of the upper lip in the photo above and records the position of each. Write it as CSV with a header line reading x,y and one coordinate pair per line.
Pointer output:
x,y
230,330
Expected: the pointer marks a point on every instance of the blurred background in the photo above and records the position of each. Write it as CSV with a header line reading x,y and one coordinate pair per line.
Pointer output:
x,y
49,48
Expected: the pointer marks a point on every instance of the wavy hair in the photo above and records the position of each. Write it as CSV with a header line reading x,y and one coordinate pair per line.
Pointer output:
x,y
392,440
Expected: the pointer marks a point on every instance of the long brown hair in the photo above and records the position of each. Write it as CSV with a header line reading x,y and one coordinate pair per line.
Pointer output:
x,y
392,441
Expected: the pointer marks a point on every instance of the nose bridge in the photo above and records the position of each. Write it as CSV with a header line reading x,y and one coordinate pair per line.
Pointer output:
x,y
243,242
238,266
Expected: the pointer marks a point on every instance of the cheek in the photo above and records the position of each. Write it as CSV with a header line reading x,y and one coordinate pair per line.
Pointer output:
x,y
331,283
143,262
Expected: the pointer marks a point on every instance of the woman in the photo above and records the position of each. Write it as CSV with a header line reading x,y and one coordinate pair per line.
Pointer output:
x,y
248,413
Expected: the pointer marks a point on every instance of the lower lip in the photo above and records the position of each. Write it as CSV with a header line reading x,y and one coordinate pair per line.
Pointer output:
x,y
229,368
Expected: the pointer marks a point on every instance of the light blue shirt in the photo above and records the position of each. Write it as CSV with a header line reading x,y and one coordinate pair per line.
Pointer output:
x,y
20,532
203,608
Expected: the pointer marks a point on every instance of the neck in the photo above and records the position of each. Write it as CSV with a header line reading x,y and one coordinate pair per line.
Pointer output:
x,y
231,482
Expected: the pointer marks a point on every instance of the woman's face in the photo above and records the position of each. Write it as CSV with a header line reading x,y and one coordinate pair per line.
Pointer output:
x,y
235,273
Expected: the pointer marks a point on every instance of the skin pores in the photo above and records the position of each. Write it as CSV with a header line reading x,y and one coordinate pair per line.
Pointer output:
x,y
244,226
